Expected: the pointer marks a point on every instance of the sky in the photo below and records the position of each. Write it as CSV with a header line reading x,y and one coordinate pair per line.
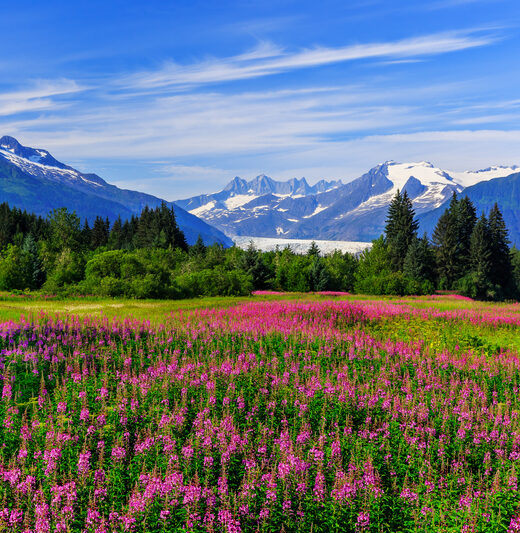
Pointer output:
x,y
175,98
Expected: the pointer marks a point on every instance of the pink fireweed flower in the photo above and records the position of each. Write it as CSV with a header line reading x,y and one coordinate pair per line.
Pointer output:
x,y
118,452
84,462
363,520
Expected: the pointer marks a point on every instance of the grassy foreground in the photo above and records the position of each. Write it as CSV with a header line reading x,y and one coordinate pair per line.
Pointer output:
x,y
271,413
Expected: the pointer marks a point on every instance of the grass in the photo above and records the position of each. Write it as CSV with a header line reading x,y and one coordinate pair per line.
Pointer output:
x,y
438,333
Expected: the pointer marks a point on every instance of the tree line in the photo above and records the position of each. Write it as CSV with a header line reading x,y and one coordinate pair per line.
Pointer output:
x,y
466,254
147,256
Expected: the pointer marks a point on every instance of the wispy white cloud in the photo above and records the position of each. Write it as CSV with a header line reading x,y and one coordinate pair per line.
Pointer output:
x,y
38,97
268,59
194,140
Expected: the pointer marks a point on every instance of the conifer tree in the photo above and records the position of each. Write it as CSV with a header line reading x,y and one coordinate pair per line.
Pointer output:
x,y
99,233
319,277
501,272
313,250
466,220
400,229
34,274
419,261
445,242
481,259
86,234
116,237
144,235
199,248
252,263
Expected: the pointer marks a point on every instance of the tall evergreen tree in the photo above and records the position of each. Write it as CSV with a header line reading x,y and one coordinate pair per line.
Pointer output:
x,y
445,240
319,277
502,270
99,233
481,259
116,237
34,274
252,263
199,248
144,235
313,250
400,229
419,263
466,215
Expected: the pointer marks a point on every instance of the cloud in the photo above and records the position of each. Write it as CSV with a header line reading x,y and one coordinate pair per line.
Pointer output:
x,y
38,97
268,60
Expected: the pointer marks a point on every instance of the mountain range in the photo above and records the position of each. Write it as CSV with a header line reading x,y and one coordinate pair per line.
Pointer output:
x,y
354,211
32,179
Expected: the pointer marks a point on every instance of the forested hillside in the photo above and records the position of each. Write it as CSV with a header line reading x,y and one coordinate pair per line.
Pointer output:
x,y
148,256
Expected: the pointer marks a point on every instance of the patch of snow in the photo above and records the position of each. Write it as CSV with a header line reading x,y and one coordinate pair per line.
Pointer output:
x,y
203,208
318,209
45,171
238,200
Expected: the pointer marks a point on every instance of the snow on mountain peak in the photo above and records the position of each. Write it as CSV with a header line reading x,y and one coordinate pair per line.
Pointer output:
x,y
10,145
424,172
469,178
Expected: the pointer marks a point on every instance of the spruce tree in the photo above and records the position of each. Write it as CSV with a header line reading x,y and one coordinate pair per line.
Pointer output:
x,y
116,237
86,234
445,244
144,236
319,277
313,250
400,229
419,262
252,263
199,248
481,259
34,274
99,233
466,220
502,271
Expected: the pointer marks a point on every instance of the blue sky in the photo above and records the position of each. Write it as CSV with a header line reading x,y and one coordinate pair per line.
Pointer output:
x,y
176,98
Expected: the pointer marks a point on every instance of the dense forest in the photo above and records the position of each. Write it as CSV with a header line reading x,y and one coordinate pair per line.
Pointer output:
x,y
148,257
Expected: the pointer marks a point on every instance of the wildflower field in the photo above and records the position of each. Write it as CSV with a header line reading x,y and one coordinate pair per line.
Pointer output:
x,y
328,413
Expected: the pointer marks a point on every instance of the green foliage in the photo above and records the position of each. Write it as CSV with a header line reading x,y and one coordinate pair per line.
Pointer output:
x,y
400,230
373,268
341,269
13,268
251,262
445,242
502,269
214,282
419,261
68,268
477,283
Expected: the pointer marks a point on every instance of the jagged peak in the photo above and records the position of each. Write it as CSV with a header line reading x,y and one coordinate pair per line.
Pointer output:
x,y
34,155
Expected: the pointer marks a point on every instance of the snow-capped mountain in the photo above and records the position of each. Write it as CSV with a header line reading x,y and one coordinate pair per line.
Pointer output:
x,y
331,210
261,204
31,179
